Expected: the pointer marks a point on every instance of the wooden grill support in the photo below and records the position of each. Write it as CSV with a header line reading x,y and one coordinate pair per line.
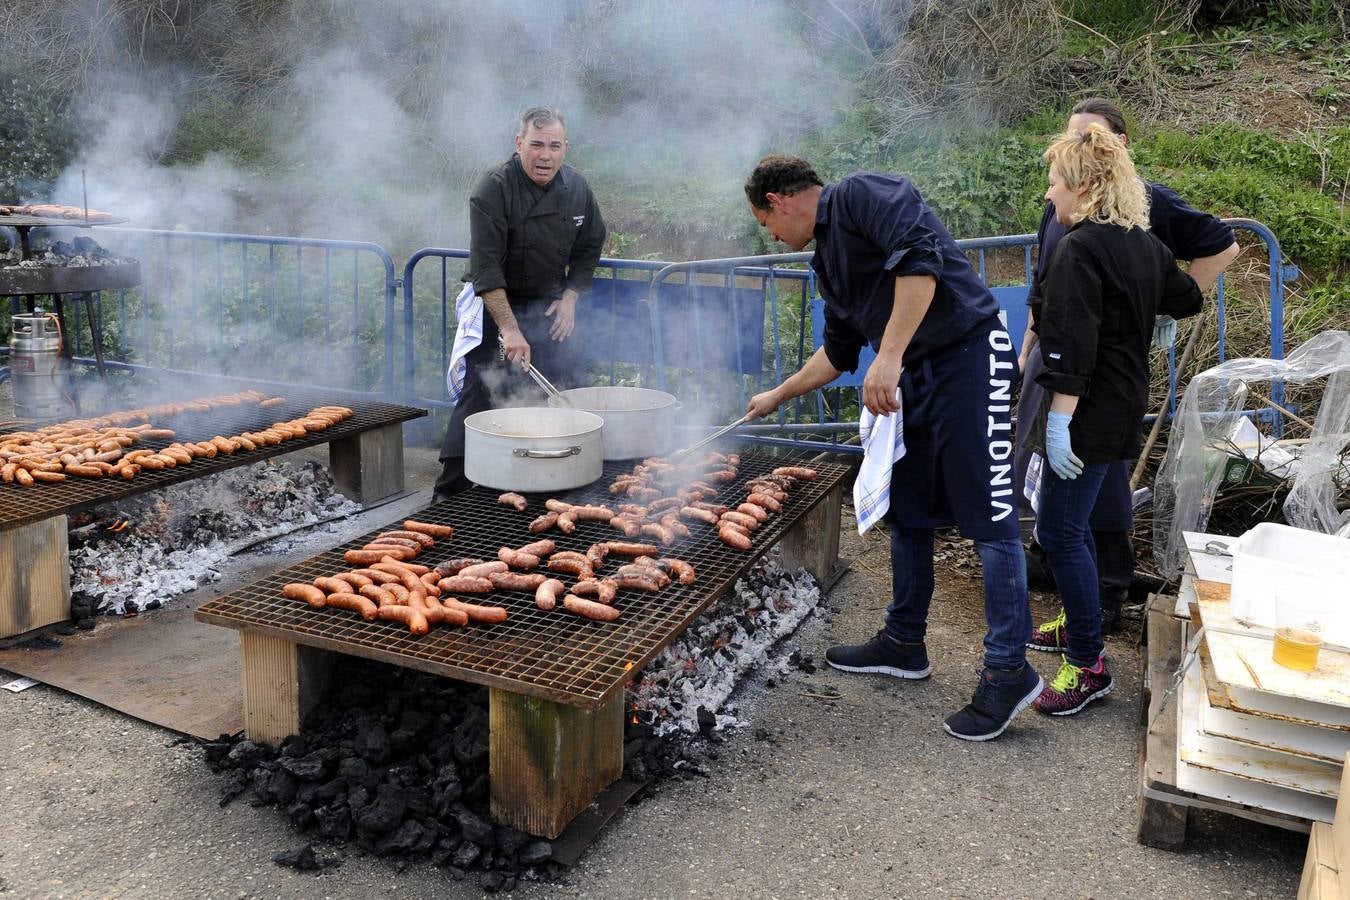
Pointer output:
x,y
34,576
813,543
368,466
549,761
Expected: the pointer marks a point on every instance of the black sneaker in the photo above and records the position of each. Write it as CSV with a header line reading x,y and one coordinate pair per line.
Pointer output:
x,y
881,655
999,697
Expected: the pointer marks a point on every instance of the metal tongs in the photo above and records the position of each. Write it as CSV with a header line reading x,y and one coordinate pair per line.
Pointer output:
x,y
725,429
547,385
538,377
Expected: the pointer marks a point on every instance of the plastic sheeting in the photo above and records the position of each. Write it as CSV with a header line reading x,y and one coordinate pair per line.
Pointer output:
x,y
1201,444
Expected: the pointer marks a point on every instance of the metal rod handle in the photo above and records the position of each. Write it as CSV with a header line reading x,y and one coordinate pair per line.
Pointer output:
x,y
526,453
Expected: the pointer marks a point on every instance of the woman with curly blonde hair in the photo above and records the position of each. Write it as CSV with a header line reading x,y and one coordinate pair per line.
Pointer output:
x,y
1108,279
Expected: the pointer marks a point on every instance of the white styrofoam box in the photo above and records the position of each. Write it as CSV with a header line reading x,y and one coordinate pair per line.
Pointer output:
x,y
1271,559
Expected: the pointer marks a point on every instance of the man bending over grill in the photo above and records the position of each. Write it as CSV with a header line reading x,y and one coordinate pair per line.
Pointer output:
x,y
892,277
535,234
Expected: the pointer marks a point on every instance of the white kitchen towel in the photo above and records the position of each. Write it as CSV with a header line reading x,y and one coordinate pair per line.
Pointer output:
x,y
468,334
1031,485
883,442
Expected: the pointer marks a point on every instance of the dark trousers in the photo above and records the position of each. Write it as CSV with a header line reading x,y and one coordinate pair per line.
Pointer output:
x,y
489,383
1112,516
1062,525
1008,618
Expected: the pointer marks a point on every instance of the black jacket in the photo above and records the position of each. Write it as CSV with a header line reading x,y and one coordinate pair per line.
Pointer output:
x,y
534,242
1095,314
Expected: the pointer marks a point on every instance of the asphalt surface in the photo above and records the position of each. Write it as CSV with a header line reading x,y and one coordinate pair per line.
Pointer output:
x,y
842,785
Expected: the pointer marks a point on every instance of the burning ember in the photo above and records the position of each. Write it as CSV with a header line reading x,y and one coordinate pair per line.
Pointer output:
x,y
144,551
684,688
81,251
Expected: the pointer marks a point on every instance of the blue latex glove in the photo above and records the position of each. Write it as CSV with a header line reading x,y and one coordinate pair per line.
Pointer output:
x,y
1164,332
1058,452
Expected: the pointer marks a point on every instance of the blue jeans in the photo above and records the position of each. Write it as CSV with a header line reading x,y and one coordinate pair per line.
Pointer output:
x,y
1006,610
1062,529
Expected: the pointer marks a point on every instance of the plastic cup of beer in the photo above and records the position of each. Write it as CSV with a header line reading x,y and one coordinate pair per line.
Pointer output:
x,y
1298,632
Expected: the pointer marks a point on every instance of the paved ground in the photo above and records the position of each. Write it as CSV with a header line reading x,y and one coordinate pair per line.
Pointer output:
x,y
859,796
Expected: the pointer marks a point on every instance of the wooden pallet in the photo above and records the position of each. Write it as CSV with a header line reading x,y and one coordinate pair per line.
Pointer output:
x,y
1164,808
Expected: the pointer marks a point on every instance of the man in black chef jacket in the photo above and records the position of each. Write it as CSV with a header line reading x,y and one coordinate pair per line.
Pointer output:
x,y
535,235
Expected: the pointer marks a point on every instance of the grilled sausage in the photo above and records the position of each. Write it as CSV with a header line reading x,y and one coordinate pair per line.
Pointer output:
x,y
544,523
623,548
801,473
413,618
84,471
734,537
450,615
332,585
767,501
518,559
556,506
722,476
540,548
757,512
306,592
513,500
425,540
672,521
580,568
431,582
591,513
699,515
483,569
714,508
381,596
476,613
650,572
48,477
663,534
369,611
375,576
414,568
546,595
271,402
683,571
595,555
354,580
630,526
603,589
436,531
643,581
453,566
749,523
567,522
407,579
462,584
390,552
515,581
589,609
434,612
397,542
400,592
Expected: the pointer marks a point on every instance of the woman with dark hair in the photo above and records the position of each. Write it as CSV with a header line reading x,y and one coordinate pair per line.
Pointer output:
x,y
1106,283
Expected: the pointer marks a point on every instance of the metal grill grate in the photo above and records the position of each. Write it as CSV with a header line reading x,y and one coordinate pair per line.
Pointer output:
x,y
23,505
554,655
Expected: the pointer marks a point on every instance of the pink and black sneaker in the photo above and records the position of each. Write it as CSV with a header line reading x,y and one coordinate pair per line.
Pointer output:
x,y
1074,687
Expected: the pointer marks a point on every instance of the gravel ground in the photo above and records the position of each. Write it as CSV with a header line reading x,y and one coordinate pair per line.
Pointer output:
x,y
859,795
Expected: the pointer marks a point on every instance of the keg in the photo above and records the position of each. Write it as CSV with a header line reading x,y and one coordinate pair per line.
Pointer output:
x,y
37,369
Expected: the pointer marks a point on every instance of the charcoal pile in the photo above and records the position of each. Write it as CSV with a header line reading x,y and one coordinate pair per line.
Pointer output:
x,y
81,251
394,762
137,553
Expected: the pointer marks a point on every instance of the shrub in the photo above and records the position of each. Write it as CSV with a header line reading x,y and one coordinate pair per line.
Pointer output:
x,y
38,135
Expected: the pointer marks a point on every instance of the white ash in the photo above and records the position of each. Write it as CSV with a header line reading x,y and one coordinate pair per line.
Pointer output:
x,y
180,535
81,251
703,667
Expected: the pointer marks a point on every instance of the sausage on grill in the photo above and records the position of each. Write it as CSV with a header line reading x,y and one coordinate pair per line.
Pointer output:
x,y
544,522
801,473
351,602
546,595
306,592
477,613
436,531
483,569
454,566
513,500
515,581
464,584
518,559
413,618
733,536
589,609
603,589
624,548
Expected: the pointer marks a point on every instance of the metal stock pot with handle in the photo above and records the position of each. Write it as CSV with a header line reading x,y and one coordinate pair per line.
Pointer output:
x,y
533,449
639,422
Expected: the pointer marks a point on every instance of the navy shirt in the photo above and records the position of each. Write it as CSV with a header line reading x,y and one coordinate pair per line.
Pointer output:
x,y
1183,229
871,228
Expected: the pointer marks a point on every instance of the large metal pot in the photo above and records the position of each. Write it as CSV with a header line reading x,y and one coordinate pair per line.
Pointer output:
x,y
638,422
533,449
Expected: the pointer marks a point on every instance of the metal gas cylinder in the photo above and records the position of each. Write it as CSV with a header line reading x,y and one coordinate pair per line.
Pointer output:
x,y
37,368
